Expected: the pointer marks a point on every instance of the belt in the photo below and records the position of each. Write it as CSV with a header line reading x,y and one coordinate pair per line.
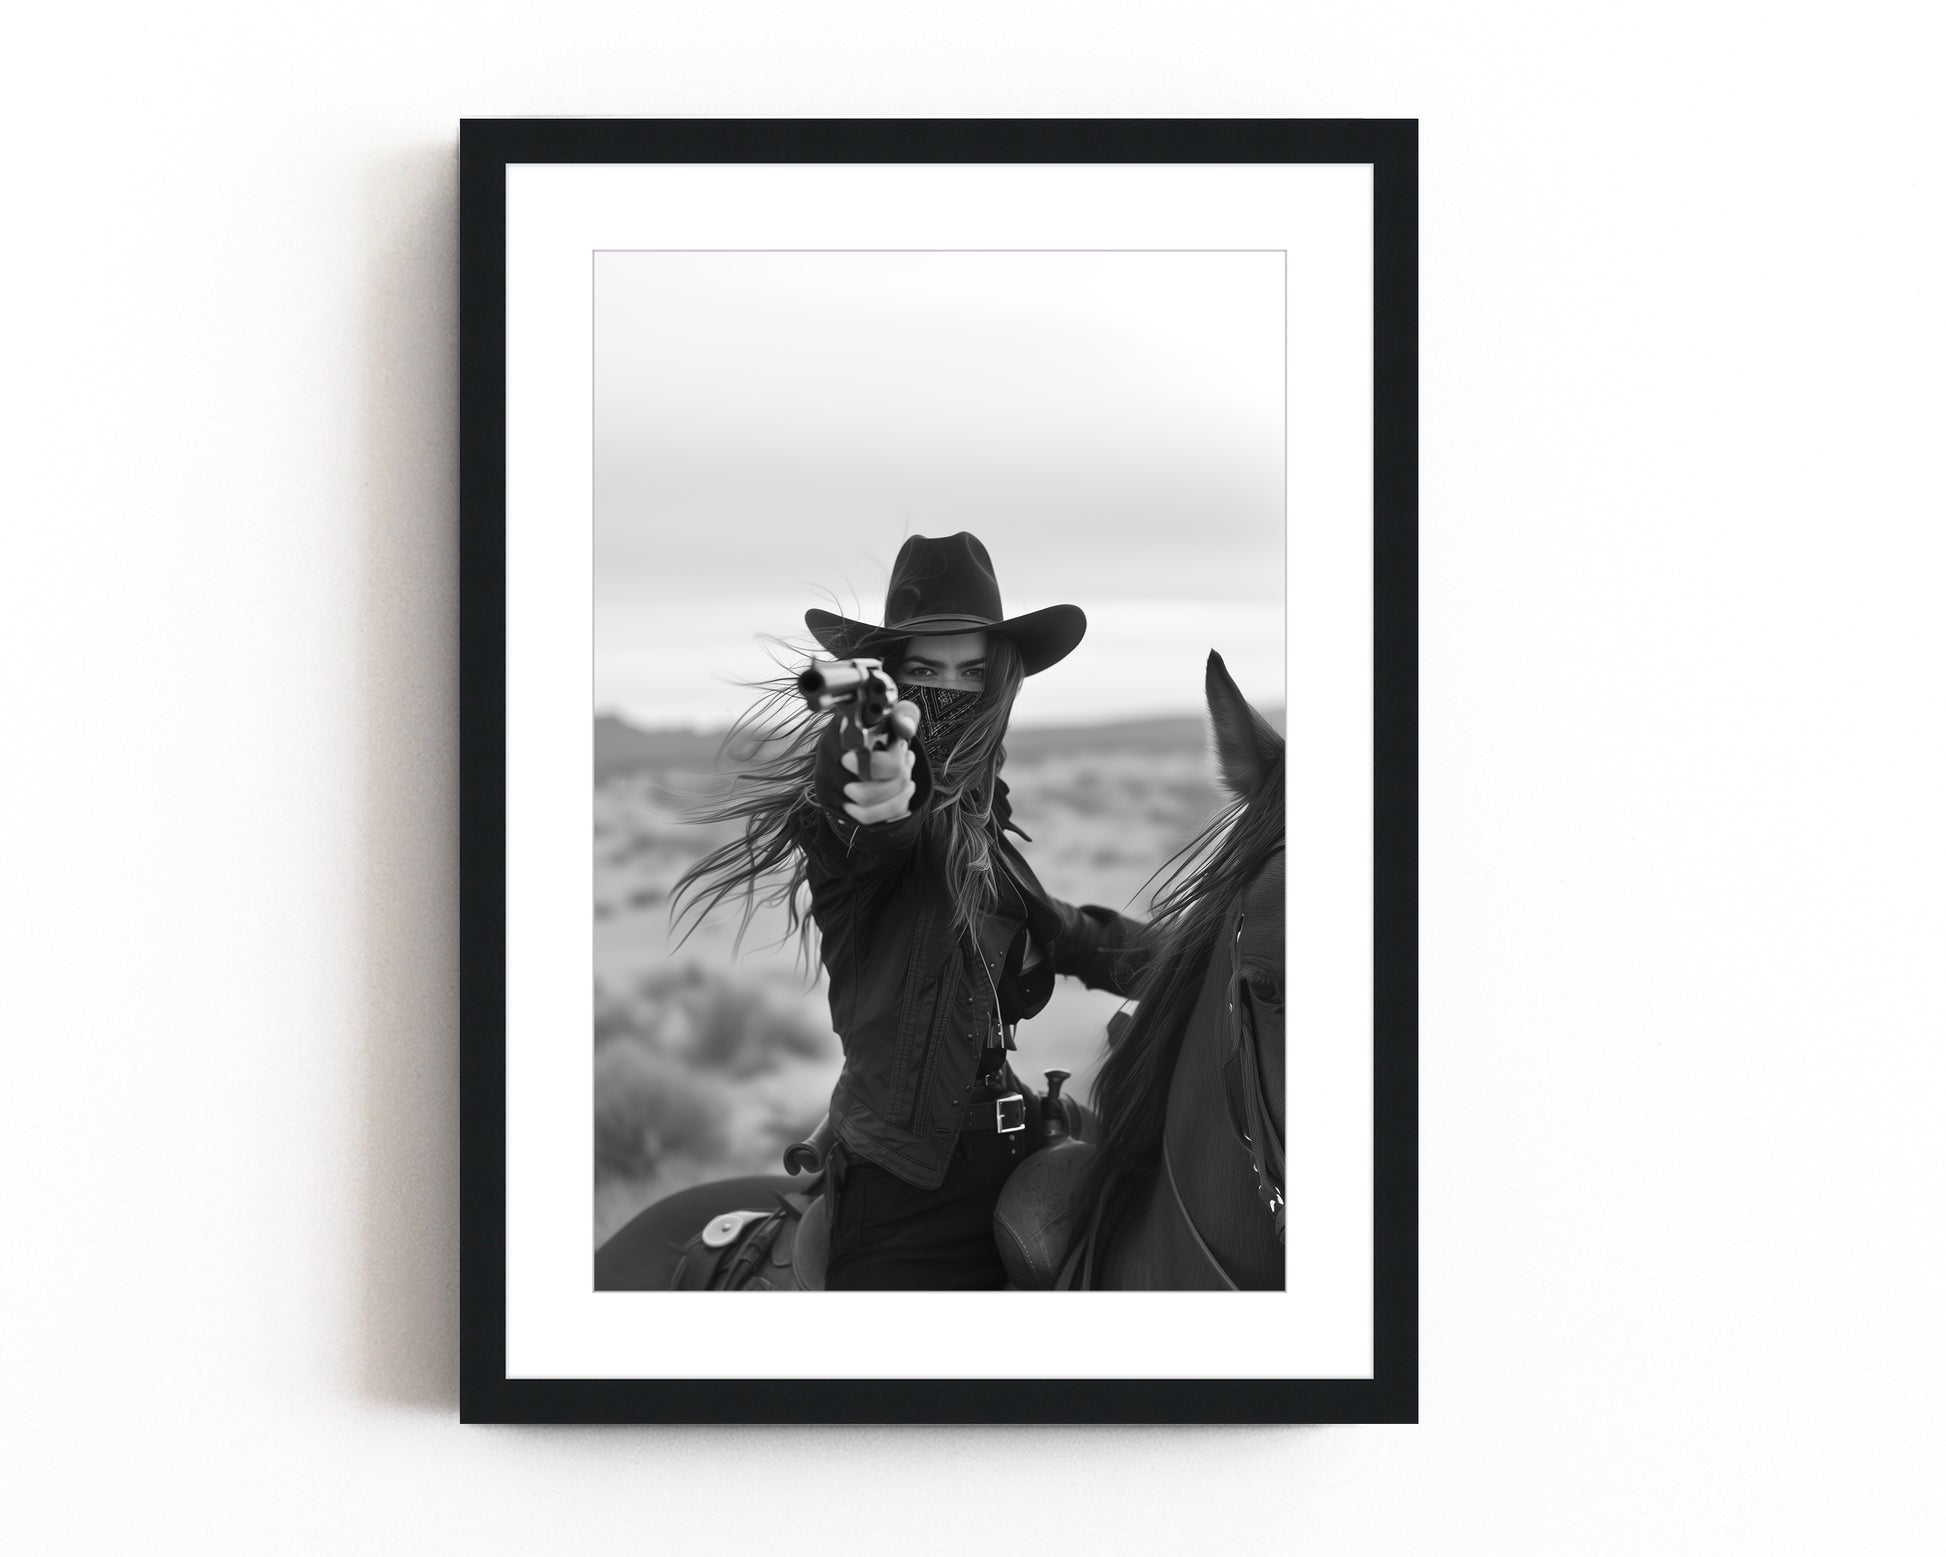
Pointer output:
x,y
1006,1113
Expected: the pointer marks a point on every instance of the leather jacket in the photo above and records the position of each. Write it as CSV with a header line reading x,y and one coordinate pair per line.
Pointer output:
x,y
912,1001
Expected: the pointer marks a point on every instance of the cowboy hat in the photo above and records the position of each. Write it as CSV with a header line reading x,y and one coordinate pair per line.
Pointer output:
x,y
945,586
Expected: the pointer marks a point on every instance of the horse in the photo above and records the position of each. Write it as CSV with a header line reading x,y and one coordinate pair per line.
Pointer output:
x,y
1185,1189
1176,1182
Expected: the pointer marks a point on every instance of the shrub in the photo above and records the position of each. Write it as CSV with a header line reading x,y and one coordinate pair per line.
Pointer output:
x,y
613,1018
721,1023
648,1111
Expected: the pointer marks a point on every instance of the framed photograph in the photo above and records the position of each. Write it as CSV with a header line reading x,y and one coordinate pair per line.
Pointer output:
x,y
939,771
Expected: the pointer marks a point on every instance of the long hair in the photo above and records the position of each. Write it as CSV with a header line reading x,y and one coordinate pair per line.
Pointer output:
x,y
1199,883
772,797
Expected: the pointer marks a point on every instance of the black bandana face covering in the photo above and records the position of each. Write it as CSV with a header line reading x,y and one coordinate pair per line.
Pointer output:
x,y
943,713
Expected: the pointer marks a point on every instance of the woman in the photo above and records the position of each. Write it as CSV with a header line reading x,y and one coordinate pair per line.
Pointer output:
x,y
935,935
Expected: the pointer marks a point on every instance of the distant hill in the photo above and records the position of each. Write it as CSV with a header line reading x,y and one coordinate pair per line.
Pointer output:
x,y
621,747
1174,732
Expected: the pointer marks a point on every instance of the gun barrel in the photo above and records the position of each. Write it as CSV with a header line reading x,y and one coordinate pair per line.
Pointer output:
x,y
835,678
826,681
860,686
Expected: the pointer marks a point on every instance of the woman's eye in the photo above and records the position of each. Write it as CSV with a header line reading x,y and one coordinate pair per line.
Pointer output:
x,y
916,673
976,675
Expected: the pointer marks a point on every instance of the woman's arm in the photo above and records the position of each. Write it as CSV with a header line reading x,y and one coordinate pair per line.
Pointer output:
x,y
1100,947
872,820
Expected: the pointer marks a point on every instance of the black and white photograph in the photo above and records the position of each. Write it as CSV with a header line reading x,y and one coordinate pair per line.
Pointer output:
x,y
938,844
955,610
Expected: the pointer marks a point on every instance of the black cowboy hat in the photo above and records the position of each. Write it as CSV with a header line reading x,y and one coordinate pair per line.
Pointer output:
x,y
945,586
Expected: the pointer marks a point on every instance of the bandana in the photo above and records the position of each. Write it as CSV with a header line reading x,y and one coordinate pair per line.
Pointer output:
x,y
943,713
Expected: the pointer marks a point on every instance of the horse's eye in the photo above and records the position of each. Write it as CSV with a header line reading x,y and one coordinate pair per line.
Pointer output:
x,y
1265,987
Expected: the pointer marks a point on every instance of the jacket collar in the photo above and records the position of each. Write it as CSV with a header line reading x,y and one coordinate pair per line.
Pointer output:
x,y
1003,811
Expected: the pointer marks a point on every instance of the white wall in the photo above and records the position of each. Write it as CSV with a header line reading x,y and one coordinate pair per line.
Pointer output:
x,y
1682,554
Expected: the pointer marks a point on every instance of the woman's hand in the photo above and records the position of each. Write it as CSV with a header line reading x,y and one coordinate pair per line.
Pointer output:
x,y
883,790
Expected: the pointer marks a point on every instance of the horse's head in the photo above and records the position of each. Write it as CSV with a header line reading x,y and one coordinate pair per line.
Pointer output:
x,y
1250,757
1202,1063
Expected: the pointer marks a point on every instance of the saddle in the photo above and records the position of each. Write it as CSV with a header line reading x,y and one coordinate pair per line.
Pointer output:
x,y
1032,1220
783,1249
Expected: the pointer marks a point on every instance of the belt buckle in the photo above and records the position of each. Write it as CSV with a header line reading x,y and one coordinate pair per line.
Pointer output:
x,y
1013,1106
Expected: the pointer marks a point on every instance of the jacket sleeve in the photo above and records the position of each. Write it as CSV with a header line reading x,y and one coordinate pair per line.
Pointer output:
x,y
1102,948
845,845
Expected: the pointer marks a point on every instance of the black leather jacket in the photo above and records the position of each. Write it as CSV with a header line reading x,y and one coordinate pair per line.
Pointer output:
x,y
909,998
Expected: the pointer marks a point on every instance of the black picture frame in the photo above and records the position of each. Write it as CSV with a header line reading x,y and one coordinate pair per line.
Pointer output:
x,y
487,149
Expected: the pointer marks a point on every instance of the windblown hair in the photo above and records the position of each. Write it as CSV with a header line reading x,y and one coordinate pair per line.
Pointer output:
x,y
1199,884
770,753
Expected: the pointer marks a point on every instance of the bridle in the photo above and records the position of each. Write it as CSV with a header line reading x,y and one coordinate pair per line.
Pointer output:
x,y
1251,1116
1252,1120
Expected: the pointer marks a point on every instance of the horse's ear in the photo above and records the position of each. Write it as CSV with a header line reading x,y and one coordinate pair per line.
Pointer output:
x,y
1246,746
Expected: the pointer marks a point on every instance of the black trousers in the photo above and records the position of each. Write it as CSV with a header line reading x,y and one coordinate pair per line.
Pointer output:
x,y
887,1235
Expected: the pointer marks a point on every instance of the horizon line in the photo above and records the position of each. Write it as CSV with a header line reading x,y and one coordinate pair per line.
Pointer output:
x,y
1270,710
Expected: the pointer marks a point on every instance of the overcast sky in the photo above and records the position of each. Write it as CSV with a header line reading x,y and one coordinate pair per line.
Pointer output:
x,y
768,427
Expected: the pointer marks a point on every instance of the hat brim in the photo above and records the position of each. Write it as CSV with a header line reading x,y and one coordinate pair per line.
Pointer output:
x,y
1044,637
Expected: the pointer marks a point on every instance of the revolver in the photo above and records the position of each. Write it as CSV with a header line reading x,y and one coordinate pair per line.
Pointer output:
x,y
866,695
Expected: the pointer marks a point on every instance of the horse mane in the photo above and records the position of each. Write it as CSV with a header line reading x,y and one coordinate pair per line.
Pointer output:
x,y
1131,1091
